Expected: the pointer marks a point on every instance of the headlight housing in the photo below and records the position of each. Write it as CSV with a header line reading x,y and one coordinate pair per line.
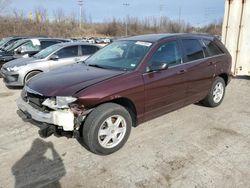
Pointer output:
x,y
15,68
59,102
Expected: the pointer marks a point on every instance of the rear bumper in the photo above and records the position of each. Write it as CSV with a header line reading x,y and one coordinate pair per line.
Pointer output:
x,y
62,118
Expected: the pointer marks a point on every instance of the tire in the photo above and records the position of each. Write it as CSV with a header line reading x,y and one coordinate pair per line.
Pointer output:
x,y
30,75
101,134
211,100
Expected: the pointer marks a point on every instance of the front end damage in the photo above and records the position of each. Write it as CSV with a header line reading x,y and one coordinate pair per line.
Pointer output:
x,y
57,114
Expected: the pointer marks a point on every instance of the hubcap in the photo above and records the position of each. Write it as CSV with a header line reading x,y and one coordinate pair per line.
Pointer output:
x,y
218,92
112,131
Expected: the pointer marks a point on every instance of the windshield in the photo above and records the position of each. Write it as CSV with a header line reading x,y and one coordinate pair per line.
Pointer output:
x,y
124,55
3,41
15,45
47,51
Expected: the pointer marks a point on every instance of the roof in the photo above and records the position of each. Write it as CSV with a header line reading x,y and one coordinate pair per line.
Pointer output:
x,y
157,37
74,43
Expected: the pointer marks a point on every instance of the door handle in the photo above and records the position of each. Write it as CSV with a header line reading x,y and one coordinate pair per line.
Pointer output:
x,y
182,71
211,63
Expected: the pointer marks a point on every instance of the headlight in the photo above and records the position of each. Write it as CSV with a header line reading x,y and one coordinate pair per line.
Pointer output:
x,y
15,68
64,101
59,102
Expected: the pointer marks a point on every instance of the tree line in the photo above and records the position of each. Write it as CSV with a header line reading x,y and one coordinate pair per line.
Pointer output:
x,y
61,25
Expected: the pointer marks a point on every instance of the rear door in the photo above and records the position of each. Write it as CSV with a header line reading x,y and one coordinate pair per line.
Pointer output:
x,y
165,90
200,69
67,55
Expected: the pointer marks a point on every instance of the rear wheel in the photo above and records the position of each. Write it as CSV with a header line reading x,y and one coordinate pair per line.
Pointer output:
x,y
30,75
216,93
107,128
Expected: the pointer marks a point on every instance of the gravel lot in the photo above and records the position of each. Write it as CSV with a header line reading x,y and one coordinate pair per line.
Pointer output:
x,y
192,147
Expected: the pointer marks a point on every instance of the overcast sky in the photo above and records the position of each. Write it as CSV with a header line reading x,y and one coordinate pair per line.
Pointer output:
x,y
197,12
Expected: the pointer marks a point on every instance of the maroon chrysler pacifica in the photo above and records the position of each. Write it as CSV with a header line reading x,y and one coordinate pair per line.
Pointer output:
x,y
125,84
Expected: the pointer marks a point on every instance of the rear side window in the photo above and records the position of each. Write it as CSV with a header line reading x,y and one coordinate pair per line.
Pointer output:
x,y
45,44
68,52
193,49
87,50
211,48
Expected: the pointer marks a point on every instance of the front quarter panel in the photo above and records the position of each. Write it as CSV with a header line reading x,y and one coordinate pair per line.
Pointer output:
x,y
128,85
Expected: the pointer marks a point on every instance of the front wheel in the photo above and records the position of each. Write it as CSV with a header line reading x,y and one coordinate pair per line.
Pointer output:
x,y
107,128
216,93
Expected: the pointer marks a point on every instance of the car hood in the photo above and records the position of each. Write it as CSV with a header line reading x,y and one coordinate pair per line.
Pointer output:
x,y
69,80
21,62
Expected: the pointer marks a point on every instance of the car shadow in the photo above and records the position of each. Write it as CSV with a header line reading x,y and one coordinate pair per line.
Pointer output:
x,y
200,104
15,87
41,166
242,77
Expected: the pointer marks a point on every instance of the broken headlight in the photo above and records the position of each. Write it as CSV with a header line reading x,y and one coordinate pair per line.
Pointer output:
x,y
59,102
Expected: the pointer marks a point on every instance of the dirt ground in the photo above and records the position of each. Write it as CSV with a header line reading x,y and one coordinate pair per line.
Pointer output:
x,y
192,147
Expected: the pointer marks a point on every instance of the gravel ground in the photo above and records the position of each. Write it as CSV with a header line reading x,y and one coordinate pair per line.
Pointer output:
x,y
192,147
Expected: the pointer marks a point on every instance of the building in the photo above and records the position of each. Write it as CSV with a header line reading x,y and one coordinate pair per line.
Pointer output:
x,y
236,34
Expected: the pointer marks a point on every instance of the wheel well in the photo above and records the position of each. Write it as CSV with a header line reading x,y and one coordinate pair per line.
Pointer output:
x,y
129,105
225,77
29,73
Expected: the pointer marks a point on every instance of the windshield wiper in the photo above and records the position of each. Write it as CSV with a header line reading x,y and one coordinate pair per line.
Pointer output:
x,y
95,65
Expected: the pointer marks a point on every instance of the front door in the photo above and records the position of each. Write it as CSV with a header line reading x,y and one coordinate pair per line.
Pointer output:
x,y
165,90
68,55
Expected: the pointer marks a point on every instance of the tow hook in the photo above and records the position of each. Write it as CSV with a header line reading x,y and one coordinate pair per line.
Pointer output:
x,y
46,131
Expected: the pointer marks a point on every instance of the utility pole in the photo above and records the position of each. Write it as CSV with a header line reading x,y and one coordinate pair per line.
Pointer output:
x,y
80,3
180,10
161,8
126,27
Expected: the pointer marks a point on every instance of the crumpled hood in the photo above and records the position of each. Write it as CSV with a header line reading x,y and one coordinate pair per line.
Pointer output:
x,y
68,80
21,62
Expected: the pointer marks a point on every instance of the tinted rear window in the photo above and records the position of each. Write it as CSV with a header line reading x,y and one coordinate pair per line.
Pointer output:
x,y
193,49
68,52
87,50
211,48
46,44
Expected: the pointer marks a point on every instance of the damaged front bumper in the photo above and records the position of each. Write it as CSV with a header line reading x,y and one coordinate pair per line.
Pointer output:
x,y
61,118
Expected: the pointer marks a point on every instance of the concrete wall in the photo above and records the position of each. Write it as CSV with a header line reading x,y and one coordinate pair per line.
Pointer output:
x,y
236,34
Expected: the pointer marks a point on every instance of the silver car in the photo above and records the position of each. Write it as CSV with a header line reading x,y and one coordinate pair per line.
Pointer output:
x,y
17,72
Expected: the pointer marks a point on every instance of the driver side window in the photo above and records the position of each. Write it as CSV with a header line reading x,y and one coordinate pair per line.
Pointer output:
x,y
168,53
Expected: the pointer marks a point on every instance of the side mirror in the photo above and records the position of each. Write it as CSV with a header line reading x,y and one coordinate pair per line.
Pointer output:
x,y
54,57
157,66
19,50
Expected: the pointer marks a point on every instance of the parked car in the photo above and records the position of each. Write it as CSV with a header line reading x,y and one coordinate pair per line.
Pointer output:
x,y
126,83
9,40
17,72
26,48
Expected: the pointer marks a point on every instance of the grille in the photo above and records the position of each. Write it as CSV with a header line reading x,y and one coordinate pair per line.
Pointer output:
x,y
35,101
